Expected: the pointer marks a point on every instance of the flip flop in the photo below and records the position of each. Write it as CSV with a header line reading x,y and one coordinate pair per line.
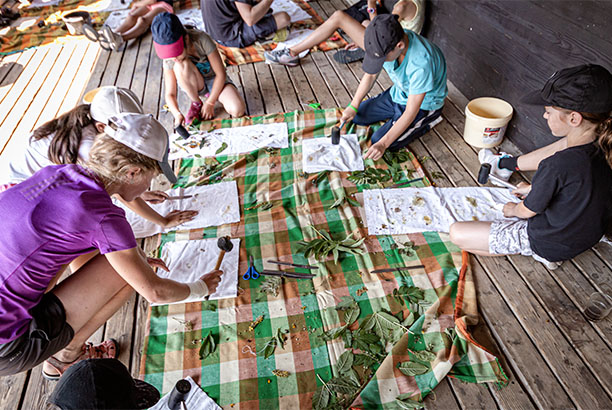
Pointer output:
x,y
109,349
90,32
349,56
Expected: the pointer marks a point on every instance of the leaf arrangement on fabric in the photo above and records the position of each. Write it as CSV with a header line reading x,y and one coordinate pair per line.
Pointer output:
x,y
321,247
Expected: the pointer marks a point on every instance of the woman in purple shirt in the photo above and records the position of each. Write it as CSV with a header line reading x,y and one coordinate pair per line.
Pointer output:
x,y
60,213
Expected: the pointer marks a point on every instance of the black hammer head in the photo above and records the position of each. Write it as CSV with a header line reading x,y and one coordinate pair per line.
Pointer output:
x,y
483,173
225,244
335,135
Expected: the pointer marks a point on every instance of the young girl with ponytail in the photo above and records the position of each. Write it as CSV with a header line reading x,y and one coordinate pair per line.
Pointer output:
x,y
567,207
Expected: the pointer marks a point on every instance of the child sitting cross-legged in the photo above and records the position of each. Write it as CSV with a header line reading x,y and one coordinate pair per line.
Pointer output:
x,y
568,206
191,59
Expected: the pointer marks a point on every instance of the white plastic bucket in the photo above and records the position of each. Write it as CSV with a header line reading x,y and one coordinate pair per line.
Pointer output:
x,y
486,120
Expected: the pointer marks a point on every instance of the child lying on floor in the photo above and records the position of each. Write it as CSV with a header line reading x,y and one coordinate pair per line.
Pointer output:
x,y
191,59
568,205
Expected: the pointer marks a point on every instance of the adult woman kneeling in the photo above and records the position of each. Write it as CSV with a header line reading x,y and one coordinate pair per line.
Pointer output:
x,y
60,213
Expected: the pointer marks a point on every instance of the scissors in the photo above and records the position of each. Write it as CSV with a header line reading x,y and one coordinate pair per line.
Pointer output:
x,y
251,273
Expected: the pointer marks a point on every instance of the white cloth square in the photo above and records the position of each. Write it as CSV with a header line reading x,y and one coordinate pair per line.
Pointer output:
x,y
410,210
188,261
319,154
197,399
238,140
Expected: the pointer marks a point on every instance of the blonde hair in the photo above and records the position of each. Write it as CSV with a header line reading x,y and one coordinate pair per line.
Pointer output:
x,y
603,129
110,160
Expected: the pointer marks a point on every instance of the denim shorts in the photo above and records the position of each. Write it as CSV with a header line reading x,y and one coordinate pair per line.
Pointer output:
x,y
47,334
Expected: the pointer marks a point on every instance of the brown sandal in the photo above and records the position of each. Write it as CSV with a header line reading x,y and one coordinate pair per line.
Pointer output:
x,y
109,349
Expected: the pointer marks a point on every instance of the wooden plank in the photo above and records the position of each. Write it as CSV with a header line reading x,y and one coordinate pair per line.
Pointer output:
x,y
254,100
319,86
120,327
11,390
45,95
268,89
142,63
303,90
96,76
38,391
17,80
77,88
20,105
11,67
287,94
154,78
76,60
341,96
113,67
441,398
128,64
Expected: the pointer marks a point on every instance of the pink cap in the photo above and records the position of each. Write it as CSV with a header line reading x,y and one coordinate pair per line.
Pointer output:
x,y
169,50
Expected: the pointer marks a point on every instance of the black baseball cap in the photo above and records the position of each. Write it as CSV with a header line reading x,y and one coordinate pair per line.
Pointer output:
x,y
584,88
102,384
381,36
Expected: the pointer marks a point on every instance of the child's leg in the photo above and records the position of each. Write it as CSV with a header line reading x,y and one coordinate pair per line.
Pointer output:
x,y
90,296
379,108
189,78
131,19
282,20
472,237
231,101
337,20
142,24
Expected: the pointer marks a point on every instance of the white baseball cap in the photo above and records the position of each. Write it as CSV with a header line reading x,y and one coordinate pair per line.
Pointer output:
x,y
145,135
110,100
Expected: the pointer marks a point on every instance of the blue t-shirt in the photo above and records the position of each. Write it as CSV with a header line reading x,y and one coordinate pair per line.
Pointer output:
x,y
423,70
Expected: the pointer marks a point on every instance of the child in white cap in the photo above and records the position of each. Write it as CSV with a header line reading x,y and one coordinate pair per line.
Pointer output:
x,y
62,212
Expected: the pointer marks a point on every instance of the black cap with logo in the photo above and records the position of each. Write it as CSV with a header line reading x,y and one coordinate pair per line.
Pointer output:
x,y
381,36
102,384
584,88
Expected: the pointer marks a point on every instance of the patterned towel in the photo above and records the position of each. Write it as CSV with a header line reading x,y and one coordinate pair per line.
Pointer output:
x,y
236,374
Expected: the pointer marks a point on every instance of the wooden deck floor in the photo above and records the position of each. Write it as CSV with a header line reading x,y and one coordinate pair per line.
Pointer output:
x,y
531,317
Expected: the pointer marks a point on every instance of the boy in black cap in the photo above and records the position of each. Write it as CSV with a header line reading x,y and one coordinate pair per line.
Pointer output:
x,y
239,23
418,70
567,208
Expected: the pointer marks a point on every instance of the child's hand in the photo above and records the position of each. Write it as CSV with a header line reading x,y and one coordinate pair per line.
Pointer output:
x,y
376,151
157,263
177,217
179,119
212,280
154,197
522,190
208,110
509,209
348,114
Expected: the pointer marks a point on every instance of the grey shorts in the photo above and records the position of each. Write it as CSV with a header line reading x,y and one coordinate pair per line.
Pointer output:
x,y
47,334
208,84
509,237
247,35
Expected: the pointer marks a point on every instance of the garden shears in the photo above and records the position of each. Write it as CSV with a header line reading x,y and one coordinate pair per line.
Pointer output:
x,y
251,273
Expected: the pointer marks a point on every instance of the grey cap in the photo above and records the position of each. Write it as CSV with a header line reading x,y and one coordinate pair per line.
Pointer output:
x,y
381,36
145,135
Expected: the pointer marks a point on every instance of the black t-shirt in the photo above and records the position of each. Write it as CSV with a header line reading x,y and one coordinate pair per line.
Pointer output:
x,y
222,19
571,195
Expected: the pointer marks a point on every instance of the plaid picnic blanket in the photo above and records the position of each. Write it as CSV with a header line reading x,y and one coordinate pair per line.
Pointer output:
x,y
237,374
27,33
255,53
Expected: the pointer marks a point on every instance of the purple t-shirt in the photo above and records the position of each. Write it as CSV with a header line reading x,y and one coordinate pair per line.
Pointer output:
x,y
48,220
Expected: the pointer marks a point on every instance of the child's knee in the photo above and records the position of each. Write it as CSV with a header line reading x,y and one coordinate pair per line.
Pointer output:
x,y
338,15
456,234
282,19
236,108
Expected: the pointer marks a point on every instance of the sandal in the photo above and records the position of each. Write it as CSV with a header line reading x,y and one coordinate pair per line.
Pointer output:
x,y
90,32
109,349
349,56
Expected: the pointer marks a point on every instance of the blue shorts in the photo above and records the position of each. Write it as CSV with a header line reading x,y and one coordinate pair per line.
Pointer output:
x,y
382,108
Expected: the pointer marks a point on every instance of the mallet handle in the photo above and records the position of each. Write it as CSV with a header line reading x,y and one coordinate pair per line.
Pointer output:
x,y
219,260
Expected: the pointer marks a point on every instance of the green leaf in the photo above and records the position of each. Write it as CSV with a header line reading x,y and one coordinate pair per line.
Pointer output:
x,y
347,302
343,386
413,368
322,175
352,376
221,148
271,285
364,360
412,293
347,337
208,346
405,402
409,320
281,338
270,347
334,333
351,314
353,202
345,362
338,202
320,398
424,356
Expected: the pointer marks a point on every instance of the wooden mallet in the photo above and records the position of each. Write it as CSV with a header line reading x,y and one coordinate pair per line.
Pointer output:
x,y
225,244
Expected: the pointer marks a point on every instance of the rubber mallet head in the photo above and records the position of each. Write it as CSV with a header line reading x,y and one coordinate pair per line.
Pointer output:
x,y
225,244
180,130
335,135
483,173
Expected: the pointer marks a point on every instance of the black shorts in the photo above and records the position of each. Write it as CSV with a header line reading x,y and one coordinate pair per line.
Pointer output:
x,y
48,334
359,10
250,34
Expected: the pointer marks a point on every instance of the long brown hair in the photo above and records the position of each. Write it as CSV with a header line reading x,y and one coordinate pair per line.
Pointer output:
x,y
603,129
67,133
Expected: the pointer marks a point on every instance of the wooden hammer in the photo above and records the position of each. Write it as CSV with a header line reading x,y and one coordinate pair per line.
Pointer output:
x,y
225,244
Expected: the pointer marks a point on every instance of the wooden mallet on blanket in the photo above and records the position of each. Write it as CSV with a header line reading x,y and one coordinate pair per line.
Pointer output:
x,y
225,244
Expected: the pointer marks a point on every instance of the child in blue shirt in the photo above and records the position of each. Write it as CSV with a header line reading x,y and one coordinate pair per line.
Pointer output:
x,y
567,208
413,105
